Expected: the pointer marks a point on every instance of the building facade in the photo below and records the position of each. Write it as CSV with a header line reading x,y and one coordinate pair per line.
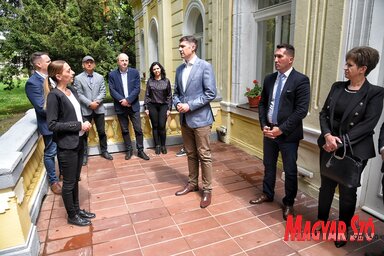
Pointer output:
x,y
238,38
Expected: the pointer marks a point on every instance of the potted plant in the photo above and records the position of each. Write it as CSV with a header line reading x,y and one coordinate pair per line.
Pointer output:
x,y
254,94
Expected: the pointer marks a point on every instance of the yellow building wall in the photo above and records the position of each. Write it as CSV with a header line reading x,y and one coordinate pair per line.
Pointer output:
x,y
318,39
15,221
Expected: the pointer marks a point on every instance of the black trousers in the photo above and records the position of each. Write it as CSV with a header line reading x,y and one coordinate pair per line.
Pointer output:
x,y
288,150
70,161
347,200
382,183
136,123
100,127
158,116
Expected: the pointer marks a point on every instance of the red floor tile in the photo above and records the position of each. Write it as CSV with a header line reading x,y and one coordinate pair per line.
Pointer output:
x,y
139,214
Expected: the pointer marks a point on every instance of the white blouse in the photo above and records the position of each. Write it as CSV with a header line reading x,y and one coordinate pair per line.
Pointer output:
x,y
76,106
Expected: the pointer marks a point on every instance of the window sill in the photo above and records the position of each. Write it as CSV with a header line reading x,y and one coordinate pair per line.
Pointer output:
x,y
247,107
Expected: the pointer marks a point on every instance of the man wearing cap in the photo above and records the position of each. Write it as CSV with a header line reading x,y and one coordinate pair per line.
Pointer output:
x,y
91,89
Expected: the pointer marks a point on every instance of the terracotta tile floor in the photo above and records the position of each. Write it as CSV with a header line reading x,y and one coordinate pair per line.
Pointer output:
x,y
138,213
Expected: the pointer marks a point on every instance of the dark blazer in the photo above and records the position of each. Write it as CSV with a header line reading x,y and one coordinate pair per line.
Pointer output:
x,y
381,137
200,91
381,144
117,91
293,107
62,119
34,89
359,119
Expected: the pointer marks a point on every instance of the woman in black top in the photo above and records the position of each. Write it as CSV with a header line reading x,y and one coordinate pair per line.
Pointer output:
x,y
158,104
65,120
352,108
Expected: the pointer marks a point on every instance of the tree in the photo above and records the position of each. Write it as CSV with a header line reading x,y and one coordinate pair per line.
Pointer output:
x,y
67,30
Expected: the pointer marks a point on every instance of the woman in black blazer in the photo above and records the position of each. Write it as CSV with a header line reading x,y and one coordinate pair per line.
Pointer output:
x,y
65,120
353,108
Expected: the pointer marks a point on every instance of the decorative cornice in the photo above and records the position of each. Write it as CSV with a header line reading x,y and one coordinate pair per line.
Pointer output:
x,y
138,15
145,2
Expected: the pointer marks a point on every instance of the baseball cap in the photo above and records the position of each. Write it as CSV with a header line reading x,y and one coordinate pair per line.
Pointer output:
x,y
87,58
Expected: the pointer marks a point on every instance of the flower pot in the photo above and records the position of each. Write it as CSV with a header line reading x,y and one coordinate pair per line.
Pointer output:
x,y
254,102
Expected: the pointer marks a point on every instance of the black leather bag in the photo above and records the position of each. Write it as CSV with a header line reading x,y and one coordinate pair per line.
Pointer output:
x,y
345,170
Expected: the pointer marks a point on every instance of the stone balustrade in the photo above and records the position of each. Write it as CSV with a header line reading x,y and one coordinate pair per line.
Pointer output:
x,y
23,180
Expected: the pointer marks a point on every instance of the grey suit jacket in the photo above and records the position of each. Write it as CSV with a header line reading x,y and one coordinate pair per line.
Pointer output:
x,y
90,92
200,91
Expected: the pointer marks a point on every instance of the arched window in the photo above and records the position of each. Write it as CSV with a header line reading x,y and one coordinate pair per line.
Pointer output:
x,y
153,42
143,66
194,25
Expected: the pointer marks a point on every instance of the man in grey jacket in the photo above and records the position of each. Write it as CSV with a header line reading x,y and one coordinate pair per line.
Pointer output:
x,y
195,88
91,89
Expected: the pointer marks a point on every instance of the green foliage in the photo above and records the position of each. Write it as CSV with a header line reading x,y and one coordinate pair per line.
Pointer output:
x,y
15,101
67,30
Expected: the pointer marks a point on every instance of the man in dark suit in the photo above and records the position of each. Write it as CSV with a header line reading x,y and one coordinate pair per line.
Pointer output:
x,y
35,92
124,86
284,104
195,88
381,151
91,89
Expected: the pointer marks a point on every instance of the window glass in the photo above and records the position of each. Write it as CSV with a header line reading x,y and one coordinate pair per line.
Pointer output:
x,y
273,31
268,3
285,31
268,46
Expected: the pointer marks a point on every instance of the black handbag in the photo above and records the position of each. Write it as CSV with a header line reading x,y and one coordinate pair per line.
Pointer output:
x,y
345,170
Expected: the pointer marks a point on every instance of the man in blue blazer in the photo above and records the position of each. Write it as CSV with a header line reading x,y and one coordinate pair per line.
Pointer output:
x,y
124,86
284,104
195,88
91,90
35,92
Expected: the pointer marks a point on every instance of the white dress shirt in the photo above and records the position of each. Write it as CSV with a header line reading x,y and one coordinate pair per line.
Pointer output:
x,y
187,71
270,110
125,82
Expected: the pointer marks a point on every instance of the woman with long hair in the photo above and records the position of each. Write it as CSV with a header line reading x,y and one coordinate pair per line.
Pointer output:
x,y
65,121
158,104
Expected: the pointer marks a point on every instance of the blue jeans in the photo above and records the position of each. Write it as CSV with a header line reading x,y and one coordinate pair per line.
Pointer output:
x,y
50,151
289,156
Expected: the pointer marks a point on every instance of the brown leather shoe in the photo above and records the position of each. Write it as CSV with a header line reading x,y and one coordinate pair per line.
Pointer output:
x,y
206,199
288,210
188,188
260,199
56,188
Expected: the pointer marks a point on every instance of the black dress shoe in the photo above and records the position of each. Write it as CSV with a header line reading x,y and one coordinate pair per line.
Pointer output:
x,y
106,155
164,150
339,244
78,221
261,199
142,155
129,154
188,188
84,214
288,210
85,160
157,150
